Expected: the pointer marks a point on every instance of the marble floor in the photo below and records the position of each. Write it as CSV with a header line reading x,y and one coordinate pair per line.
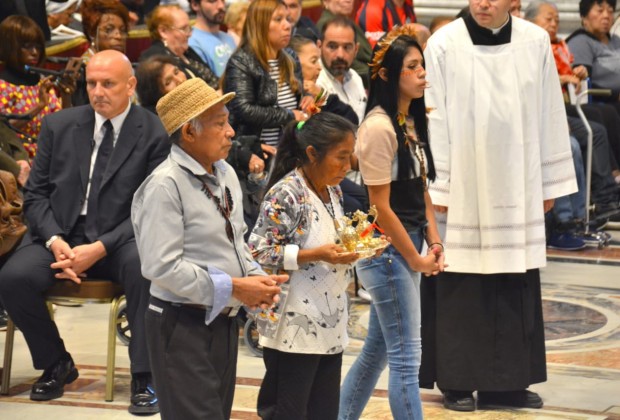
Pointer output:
x,y
581,293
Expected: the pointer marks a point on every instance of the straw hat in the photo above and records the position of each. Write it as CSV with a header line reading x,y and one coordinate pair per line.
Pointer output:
x,y
187,101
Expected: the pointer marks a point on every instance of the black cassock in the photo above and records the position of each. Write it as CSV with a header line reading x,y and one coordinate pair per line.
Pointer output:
x,y
482,332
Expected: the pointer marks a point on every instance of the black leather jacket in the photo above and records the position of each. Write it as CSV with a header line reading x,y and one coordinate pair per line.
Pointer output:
x,y
195,67
254,106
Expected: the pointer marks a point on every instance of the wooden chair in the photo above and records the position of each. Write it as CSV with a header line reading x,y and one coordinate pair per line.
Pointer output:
x,y
66,291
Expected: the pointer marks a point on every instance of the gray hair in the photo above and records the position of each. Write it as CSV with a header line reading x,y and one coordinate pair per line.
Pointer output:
x,y
196,124
532,9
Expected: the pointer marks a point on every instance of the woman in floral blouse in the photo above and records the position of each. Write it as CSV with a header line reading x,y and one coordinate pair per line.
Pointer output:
x,y
303,339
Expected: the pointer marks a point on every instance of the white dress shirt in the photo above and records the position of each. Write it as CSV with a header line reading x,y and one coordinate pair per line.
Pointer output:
x,y
351,91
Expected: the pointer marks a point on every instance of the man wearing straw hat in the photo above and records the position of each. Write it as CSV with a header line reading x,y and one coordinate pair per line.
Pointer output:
x,y
188,220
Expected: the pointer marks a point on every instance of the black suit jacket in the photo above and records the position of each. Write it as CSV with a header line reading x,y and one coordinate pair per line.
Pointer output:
x,y
56,189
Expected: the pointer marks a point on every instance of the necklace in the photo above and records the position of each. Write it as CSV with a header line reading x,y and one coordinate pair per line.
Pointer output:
x,y
330,209
224,211
406,124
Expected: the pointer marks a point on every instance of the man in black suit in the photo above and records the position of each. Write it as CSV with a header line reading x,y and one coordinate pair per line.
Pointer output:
x,y
90,161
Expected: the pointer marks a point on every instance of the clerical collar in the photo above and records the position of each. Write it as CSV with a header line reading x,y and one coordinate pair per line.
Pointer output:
x,y
484,36
19,79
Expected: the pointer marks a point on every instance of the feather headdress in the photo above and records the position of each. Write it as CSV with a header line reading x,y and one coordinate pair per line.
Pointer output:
x,y
383,45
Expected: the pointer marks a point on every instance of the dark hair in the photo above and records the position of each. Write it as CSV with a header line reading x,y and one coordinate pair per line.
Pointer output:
x,y
382,94
148,74
15,32
298,42
93,10
586,5
338,21
321,131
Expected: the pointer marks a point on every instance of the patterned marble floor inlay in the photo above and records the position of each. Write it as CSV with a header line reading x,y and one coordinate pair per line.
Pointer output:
x,y
581,304
560,319
581,319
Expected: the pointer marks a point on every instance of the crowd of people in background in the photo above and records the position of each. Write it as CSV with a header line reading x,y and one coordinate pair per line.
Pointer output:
x,y
250,127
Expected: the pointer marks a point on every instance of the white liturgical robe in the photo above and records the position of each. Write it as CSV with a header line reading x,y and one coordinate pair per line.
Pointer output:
x,y
500,142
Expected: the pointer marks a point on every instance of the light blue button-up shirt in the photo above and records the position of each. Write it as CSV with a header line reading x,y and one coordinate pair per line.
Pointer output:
x,y
181,236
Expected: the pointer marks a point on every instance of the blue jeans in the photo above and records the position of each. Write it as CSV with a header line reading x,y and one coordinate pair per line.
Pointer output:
x,y
393,337
573,206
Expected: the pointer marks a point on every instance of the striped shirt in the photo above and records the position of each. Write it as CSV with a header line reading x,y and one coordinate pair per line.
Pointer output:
x,y
286,100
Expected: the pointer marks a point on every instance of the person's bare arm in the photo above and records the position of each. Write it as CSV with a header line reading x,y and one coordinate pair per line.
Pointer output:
x,y
433,240
380,197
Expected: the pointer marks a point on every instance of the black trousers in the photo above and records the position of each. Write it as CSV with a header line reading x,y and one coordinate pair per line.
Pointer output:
x,y
26,276
607,115
300,386
194,365
603,184
483,332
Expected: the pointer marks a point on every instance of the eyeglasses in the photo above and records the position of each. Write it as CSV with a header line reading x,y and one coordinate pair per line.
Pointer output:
x,y
110,31
187,30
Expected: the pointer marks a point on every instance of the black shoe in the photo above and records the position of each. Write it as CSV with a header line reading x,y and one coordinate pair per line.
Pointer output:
x,y
51,384
459,400
143,399
518,399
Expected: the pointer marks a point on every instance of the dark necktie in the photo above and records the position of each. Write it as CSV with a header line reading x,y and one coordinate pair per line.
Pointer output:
x,y
101,162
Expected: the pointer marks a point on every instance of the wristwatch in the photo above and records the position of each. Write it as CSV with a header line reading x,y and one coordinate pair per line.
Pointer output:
x,y
51,240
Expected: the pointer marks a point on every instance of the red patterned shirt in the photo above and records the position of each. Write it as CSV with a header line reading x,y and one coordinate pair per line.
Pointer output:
x,y
563,57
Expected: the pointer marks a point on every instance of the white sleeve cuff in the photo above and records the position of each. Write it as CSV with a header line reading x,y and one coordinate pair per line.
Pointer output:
x,y
222,292
290,257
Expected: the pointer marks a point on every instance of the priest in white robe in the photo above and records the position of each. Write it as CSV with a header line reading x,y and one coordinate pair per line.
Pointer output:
x,y
500,140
